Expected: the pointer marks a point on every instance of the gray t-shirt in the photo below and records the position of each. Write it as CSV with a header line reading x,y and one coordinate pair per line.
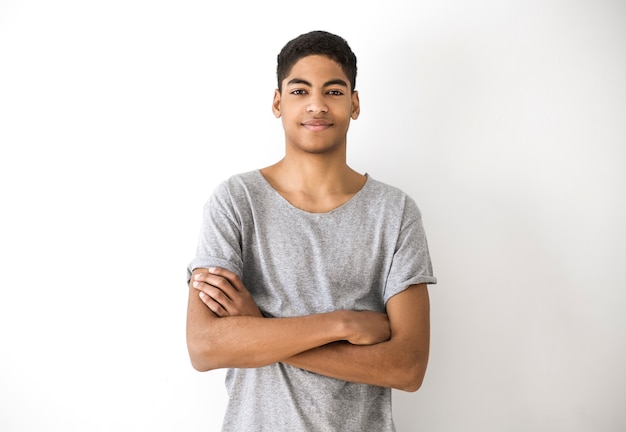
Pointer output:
x,y
296,263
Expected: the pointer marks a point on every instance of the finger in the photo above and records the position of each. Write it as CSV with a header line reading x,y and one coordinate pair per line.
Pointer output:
x,y
224,284
224,279
232,278
214,291
200,274
214,306
219,277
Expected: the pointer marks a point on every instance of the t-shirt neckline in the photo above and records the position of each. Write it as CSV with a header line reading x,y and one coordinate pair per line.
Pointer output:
x,y
288,204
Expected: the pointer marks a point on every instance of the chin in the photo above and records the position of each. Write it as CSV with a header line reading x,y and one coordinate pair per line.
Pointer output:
x,y
313,149
318,147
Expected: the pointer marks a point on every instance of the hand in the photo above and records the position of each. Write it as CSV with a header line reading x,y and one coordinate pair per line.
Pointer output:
x,y
368,327
224,293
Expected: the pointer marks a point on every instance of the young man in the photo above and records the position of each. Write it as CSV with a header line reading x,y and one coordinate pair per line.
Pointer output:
x,y
309,281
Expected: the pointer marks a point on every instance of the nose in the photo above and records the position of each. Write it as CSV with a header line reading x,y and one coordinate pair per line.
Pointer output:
x,y
317,104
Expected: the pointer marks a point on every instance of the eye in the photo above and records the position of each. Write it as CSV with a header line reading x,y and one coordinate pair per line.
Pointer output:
x,y
298,92
335,93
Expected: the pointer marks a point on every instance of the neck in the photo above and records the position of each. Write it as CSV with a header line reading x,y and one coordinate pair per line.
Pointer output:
x,y
316,174
314,182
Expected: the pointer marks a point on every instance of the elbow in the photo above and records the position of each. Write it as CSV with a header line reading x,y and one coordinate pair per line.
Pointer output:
x,y
201,356
199,361
411,383
199,364
410,376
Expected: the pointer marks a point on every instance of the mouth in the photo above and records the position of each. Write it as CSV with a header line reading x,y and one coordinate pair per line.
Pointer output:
x,y
317,125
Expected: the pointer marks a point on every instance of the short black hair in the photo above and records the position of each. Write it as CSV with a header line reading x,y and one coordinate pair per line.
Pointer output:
x,y
317,43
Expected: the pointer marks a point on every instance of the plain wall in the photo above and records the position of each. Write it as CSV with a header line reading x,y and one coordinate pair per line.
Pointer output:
x,y
506,121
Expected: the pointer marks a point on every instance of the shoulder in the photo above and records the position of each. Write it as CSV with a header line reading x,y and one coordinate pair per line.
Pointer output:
x,y
237,187
392,198
240,181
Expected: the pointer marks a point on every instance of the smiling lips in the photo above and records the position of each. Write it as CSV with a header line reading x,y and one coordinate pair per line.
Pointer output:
x,y
316,125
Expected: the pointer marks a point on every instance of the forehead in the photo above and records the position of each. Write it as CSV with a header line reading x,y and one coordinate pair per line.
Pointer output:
x,y
316,68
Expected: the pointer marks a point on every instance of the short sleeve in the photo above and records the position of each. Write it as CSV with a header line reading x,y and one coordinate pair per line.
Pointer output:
x,y
411,262
219,243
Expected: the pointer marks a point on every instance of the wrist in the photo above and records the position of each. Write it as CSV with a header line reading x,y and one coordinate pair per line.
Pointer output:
x,y
344,328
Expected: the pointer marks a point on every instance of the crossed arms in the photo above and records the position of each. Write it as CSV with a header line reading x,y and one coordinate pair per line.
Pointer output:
x,y
226,329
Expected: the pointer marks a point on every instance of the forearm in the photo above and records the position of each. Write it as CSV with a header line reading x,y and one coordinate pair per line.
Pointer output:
x,y
399,362
245,342
242,341
226,329
387,364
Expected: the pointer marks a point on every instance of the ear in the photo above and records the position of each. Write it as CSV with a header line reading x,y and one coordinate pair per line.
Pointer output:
x,y
276,104
356,105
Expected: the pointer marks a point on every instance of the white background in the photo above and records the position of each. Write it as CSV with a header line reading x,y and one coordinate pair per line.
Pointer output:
x,y
506,121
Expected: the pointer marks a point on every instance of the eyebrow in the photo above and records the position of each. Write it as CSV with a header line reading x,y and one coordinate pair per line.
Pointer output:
x,y
326,84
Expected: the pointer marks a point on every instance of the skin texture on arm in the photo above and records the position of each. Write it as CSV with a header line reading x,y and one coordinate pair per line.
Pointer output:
x,y
397,361
226,329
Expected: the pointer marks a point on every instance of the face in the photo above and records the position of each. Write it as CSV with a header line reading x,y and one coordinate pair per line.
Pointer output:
x,y
316,105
